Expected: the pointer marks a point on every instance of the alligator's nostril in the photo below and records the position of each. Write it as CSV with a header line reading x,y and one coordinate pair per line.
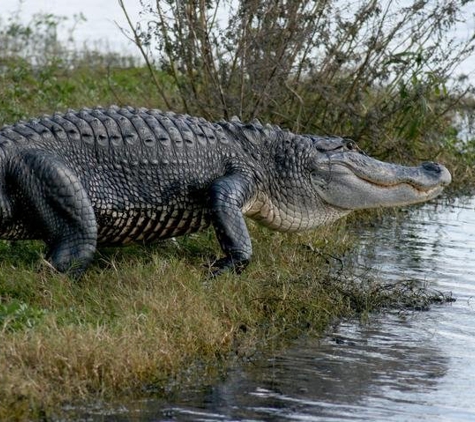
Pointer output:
x,y
431,166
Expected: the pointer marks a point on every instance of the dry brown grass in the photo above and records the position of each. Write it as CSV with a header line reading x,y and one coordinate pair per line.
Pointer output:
x,y
144,316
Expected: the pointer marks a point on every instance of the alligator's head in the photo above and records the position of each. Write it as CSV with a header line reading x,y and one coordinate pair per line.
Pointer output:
x,y
318,180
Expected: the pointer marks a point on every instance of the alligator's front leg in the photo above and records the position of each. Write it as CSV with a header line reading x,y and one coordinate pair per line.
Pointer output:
x,y
227,197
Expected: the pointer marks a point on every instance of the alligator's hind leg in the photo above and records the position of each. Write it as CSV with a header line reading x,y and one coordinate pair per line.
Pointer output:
x,y
56,206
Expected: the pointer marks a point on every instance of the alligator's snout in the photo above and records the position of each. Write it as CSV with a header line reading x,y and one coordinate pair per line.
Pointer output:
x,y
437,170
431,166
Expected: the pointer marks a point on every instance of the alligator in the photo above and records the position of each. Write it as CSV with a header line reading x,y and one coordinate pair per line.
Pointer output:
x,y
111,176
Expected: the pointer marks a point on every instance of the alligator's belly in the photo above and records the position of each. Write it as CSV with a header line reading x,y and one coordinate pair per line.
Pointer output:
x,y
147,225
17,231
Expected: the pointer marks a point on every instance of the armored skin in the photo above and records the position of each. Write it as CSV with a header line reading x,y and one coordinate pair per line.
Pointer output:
x,y
117,175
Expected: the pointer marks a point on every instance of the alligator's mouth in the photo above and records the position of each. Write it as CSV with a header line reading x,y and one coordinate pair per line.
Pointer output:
x,y
424,178
423,189
418,191
358,182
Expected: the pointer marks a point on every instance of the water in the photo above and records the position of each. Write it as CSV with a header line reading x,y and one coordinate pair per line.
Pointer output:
x,y
416,367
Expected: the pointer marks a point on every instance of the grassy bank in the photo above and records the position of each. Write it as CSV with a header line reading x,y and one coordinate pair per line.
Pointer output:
x,y
145,315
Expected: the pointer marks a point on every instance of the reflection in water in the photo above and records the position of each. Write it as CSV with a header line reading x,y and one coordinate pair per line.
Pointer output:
x,y
418,368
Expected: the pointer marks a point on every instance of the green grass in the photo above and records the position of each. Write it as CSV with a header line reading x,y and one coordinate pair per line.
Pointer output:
x,y
26,92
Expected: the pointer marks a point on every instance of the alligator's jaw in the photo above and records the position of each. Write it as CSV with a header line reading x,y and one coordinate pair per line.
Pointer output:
x,y
427,176
356,181
286,218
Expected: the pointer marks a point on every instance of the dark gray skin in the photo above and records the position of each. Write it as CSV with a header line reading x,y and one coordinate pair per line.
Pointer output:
x,y
118,175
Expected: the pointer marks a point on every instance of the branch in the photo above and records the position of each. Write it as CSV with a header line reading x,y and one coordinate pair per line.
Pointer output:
x,y
138,43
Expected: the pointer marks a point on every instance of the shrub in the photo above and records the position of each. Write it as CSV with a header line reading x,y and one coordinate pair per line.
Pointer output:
x,y
375,71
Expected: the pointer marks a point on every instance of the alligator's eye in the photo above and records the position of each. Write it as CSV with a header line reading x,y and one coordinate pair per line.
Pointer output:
x,y
351,145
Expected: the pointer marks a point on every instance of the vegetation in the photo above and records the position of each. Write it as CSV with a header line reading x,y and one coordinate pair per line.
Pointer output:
x,y
379,72
143,316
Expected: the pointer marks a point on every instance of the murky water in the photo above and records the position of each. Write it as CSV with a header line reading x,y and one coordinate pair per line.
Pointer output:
x,y
417,368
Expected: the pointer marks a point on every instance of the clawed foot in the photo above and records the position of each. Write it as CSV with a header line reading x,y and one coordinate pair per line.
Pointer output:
x,y
228,264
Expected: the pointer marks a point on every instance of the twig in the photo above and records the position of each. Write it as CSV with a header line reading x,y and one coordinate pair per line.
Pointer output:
x,y
138,43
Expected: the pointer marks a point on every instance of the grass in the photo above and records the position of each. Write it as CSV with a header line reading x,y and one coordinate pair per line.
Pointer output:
x,y
142,316
27,91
